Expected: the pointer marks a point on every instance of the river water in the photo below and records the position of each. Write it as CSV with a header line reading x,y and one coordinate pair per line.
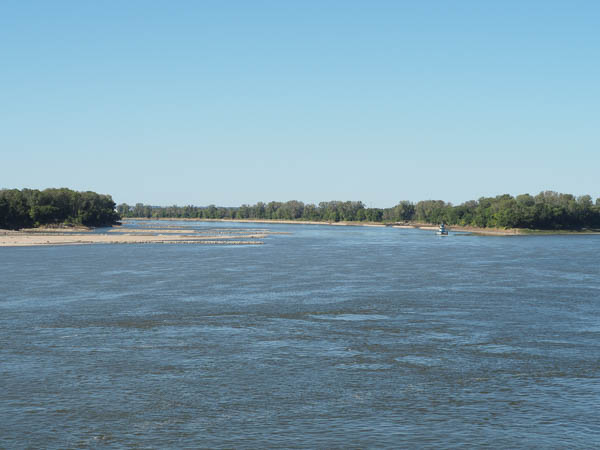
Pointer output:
x,y
327,337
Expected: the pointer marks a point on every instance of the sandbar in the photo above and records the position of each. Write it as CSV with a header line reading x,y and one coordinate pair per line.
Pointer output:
x,y
27,239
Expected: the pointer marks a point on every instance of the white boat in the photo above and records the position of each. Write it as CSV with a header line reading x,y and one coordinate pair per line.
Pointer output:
x,y
442,231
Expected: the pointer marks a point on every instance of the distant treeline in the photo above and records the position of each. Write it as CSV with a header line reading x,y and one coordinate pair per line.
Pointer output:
x,y
31,208
547,211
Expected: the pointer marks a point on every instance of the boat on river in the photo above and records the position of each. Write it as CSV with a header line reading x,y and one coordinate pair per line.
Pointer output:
x,y
442,231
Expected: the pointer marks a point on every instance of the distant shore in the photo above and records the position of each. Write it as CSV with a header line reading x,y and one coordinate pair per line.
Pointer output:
x,y
65,235
405,225
290,222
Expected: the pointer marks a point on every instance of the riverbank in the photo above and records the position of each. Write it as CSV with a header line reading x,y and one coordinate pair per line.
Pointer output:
x,y
172,234
57,229
486,231
29,238
403,225
288,222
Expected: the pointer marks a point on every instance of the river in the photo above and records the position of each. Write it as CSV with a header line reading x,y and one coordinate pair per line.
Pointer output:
x,y
327,337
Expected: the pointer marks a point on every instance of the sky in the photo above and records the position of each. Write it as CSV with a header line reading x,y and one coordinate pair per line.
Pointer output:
x,y
232,102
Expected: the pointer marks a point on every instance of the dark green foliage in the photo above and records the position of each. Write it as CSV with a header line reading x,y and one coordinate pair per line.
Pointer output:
x,y
548,210
31,208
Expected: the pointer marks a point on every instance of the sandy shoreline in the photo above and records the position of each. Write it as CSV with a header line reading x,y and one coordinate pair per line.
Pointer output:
x,y
402,225
47,229
487,231
288,222
170,234
416,225
28,239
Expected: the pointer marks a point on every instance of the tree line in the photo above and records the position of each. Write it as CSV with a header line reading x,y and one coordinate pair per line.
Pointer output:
x,y
28,208
546,211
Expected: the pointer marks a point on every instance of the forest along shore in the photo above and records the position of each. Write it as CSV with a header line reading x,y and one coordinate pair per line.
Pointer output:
x,y
9,238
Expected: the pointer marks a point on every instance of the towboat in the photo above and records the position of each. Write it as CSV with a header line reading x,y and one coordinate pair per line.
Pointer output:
x,y
442,231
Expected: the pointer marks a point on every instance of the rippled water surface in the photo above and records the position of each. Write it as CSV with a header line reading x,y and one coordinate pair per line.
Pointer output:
x,y
327,337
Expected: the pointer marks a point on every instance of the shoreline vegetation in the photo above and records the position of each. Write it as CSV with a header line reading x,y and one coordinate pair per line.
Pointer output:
x,y
504,214
177,234
54,210
31,208
404,225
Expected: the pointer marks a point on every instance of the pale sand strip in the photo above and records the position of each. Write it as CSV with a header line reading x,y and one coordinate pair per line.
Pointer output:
x,y
54,230
409,225
194,232
151,230
487,231
21,239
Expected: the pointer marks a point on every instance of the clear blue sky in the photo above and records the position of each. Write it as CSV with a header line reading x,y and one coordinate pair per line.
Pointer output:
x,y
232,102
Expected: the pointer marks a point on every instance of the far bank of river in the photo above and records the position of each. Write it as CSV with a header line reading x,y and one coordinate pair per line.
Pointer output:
x,y
64,235
407,225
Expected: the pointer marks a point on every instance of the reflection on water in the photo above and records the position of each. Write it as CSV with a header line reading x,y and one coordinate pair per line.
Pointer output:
x,y
327,337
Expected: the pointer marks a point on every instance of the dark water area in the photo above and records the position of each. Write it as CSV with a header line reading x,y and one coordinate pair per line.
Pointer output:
x,y
325,338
